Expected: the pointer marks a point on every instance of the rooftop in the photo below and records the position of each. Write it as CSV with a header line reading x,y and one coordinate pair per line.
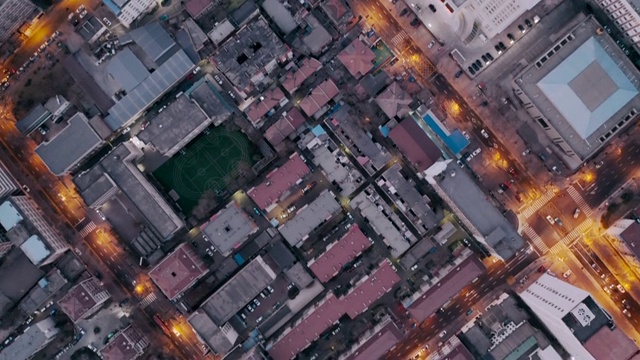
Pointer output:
x,y
280,15
319,97
324,314
285,126
570,71
154,40
118,171
278,182
33,339
479,214
68,147
173,128
394,101
35,249
259,108
178,271
210,101
36,117
250,51
340,253
196,8
220,342
82,299
415,144
335,9
229,228
127,344
238,291
437,295
323,208
611,344
17,276
377,344
127,70
357,57
293,79
631,235
149,90
9,215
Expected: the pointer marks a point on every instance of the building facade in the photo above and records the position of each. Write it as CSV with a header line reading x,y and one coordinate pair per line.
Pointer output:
x,y
625,15
13,14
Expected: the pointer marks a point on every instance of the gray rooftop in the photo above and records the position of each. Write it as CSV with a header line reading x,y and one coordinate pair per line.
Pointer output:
x,y
458,188
210,332
409,196
210,101
127,70
32,340
343,173
248,52
229,228
238,291
17,276
36,117
155,42
323,208
46,287
68,147
584,86
149,90
417,252
175,127
280,15
118,169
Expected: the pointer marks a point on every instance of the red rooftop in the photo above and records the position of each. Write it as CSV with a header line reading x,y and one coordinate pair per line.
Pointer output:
x,y
329,264
319,97
278,181
178,271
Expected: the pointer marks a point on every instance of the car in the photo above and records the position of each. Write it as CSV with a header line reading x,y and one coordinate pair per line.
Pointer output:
x,y
257,211
489,56
466,135
475,67
511,38
308,187
518,197
432,8
521,28
484,133
83,14
476,152
503,187
513,172
550,220
566,274
498,49
92,348
626,304
599,165
484,58
256,302
471,71
270,289
291,209
80,9
243,316
458,74
558,221
250,308
479,63
43,129
414,267
626,312
528,23
162,109
404,12
106,21
29,320
621,288
433,42
75,22
218,79
443,333
469,312
231,94
262,295
556,170
144,125
502,46
576,213
606,289
415,22
258,320
542,157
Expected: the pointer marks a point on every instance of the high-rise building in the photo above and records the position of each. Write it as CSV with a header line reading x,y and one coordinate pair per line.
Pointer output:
x,y
626,15
7,185
13,13
129,11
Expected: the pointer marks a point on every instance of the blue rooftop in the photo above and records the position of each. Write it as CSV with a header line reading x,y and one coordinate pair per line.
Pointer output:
x,y
455,141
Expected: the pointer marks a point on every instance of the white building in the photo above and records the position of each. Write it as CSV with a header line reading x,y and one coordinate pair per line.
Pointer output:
x,y
129,11
7,185
626,17
575,319
14,13
491,17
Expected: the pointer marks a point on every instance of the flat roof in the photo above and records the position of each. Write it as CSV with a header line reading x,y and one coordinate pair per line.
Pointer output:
x,y
249,51
17,275
154,40
208,331
631,235
70,146
167,134
459,188
323,208
437,295
335,9
595,80
280,15
32,340
611,344
117,170
319,97
79,300
238,291
378,344
127,344
9,215
415,144
294,78
285,126
229,228
394,101
494,17
149,90
127,69
210,101
357,58
406,190
278,181
34,118
329,310
35,249
178,271
339,253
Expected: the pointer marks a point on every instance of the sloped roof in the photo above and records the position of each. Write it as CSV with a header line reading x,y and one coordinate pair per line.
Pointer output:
x,y
330,263
319,97
414,143
284,127
278,181
127,69
294,78
195,8
394,101
588,88
154,41
357,58
259,108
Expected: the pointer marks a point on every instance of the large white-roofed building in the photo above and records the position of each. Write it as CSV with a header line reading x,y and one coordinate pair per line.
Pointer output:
x,y
581,91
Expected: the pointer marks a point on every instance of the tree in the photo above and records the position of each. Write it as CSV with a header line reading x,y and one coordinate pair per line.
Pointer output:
x,y
207,202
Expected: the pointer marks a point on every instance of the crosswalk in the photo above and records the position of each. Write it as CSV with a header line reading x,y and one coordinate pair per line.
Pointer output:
x,y
579,230
538,203
580,201
537,241
148,300
88,229
399,38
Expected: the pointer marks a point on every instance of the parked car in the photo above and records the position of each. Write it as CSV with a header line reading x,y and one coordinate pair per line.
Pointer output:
x,y
484,133
521,28
550,220
471,71
404,12
511,38
106,21
458,74
566,274
528,23
576,213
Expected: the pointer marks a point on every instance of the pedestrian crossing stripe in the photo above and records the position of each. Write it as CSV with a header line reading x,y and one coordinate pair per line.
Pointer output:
x,y
88,229
575,195
148,300
538,203
399,38
535,238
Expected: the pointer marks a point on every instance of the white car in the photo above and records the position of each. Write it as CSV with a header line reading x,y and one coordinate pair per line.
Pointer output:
x,y
218,80
443,333
484,133
106,21
566,274
466,135
431,44
550,220
232,95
